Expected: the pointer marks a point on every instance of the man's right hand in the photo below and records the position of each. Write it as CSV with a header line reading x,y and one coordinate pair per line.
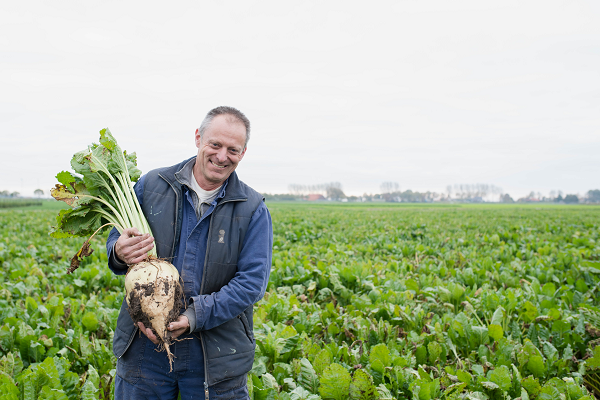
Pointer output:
x,y
132,247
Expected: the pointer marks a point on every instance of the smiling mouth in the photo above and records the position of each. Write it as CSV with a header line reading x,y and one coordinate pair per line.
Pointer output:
x,y
217,165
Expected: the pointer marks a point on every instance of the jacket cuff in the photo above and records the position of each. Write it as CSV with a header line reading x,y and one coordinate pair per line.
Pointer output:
x,y
196,304
190,313
115,261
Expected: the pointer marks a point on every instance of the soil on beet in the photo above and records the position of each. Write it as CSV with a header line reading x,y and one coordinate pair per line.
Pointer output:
x,y
135,306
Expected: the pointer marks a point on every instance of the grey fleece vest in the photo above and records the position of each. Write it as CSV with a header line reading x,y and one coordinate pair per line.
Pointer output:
x,y
163,207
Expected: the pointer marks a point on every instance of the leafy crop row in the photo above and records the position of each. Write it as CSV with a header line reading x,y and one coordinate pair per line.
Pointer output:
x,y
363,303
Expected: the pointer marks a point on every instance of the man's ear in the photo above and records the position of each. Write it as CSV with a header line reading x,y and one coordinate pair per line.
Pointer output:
x,y
242,153
197,138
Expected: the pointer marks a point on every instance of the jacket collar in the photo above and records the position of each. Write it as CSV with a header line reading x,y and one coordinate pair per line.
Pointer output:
x,y
232,190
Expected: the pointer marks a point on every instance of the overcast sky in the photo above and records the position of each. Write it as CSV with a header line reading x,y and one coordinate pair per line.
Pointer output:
x,y
423,93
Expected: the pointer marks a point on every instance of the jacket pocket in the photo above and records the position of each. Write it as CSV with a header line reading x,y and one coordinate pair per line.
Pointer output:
x,y
129,366
247,329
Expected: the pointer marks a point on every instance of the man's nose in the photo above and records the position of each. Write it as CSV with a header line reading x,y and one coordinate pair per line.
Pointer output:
x,y
222,154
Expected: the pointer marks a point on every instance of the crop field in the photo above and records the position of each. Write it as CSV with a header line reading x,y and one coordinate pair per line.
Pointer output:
x,y
370,301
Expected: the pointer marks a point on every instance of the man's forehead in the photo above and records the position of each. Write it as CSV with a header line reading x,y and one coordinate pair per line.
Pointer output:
x,y
215,132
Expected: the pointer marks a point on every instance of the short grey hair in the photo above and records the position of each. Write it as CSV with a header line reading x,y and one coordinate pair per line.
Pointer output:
x,y
235,114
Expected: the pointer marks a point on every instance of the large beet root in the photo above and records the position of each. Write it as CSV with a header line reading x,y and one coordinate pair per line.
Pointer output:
x,y
154,296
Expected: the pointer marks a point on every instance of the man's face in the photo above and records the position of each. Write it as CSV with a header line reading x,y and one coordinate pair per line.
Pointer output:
x,y
219,151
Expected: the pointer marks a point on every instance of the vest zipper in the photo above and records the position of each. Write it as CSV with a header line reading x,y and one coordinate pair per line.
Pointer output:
x,y
129,342
177,209
202,291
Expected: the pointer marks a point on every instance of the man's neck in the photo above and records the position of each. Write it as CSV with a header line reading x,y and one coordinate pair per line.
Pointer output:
x,y
203,191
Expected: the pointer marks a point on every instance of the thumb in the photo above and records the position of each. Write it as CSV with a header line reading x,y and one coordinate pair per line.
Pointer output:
x,y
131,232
182,322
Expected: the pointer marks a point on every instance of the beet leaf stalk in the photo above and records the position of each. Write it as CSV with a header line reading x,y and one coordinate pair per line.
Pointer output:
x,y
101,195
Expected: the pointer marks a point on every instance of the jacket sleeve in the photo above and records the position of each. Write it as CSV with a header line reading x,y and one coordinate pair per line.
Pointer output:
x,y
250,281
114,263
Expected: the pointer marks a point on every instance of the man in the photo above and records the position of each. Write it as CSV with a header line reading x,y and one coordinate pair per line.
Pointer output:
x,y
217,232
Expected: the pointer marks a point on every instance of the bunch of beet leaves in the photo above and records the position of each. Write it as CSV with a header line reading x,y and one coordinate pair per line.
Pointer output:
x,y
102,196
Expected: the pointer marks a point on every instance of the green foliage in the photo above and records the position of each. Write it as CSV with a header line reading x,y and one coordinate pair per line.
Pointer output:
x,y
386,302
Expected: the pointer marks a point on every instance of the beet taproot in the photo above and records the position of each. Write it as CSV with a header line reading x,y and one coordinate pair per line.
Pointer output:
x,y
155,298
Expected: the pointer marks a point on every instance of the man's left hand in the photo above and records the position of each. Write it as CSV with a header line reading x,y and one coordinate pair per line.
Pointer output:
x,y
179,327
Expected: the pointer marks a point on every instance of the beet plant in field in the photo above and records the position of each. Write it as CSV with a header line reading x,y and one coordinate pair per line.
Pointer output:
x,y
103,197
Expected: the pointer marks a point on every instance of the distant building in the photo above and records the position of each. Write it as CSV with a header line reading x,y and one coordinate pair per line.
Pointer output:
x,y
315,197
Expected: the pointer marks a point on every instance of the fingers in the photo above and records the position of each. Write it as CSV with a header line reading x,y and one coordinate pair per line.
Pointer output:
x,y
179,327
176,328
148,333
132,247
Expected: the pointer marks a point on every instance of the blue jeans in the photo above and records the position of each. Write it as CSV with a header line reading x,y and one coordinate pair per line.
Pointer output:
x,y
143,373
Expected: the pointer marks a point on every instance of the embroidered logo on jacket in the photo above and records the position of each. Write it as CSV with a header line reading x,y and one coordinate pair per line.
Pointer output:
x,y
221,236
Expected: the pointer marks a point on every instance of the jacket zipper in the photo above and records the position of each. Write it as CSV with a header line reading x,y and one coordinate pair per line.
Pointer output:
x,y
202,291
178,206
129,342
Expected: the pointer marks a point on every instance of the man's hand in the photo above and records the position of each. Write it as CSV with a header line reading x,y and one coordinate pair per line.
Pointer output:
x,y
132,247
179,327
176,329
148,332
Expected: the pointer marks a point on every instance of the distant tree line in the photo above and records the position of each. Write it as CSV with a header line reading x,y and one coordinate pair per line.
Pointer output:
x,y
591,197
468,193
476,191
6,193
331,190
473,193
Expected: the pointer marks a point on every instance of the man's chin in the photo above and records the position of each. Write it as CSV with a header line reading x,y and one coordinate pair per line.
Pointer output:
x,y
219,177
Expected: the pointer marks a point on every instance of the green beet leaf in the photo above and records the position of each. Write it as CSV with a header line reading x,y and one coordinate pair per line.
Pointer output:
x,y
532,386
549,393
335,382
322,360
495,331
91,386
501,377
8,388
593,362
384,393
498,316
380,353
435,350
362,387
536,366
90,321
307,377
302,394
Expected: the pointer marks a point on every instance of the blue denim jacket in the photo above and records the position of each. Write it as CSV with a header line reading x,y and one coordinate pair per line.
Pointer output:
x,y
253,263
